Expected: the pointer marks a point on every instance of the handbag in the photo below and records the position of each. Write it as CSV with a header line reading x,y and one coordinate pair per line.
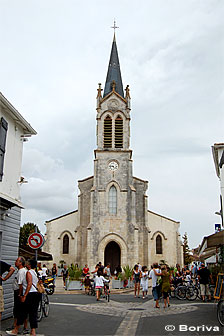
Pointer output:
x,y
39,287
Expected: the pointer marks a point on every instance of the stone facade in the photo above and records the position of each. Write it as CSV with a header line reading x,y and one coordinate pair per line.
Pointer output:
x,y
112,223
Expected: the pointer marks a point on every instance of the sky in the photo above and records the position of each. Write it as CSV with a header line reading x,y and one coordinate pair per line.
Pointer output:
x,y
53,55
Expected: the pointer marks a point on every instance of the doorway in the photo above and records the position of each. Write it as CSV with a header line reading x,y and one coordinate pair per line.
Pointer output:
x,y
112,255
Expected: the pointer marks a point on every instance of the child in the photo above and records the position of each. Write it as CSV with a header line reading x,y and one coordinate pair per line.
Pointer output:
x,y
87,283
144,281
99,282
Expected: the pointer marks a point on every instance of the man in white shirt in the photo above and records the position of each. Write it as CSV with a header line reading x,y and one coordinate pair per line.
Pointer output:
x,y
18,289
154,274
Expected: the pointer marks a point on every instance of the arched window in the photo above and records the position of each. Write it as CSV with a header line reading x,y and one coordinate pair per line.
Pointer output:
x,y
119,132
113,200
66,244
159,249
107,139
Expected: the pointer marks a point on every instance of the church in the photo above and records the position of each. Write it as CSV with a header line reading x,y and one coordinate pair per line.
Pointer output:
x,y
112,223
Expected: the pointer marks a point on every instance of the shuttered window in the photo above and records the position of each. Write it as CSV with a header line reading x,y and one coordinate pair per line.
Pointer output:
x,y
113,200
159,249
3,133
118,132
107,132
66,244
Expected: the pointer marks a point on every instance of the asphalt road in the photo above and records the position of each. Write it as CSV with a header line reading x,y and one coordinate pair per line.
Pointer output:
x,y
125,315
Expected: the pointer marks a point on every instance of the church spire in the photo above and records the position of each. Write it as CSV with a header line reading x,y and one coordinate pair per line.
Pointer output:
x,y
114,72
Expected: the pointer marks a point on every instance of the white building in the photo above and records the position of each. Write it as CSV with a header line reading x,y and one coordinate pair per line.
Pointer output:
x,y
218,156
113,223
14,130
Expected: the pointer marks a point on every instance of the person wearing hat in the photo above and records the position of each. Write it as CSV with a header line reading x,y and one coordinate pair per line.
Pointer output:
x,y
204,277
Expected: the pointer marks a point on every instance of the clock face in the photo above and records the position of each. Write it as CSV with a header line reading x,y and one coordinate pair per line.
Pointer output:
x,y
113,166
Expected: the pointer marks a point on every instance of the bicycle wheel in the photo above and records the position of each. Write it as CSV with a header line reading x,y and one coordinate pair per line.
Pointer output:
x,y
108,296
220,312
172,292
46,306
39,311
191,293
180,292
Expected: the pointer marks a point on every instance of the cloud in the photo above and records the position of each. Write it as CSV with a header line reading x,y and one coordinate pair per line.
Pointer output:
x,y
171,54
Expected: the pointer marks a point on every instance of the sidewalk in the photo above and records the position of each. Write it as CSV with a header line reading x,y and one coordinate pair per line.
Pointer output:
x,y
59,289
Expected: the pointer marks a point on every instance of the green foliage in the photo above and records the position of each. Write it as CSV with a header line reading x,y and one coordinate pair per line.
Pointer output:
x,y
25,232
187,257
127,272
75,273
121,276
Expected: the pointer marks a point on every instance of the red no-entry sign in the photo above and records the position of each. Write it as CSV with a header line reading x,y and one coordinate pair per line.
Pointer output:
x,y
35,240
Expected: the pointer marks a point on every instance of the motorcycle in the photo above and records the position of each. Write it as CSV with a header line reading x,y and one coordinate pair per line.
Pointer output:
x,y
49,285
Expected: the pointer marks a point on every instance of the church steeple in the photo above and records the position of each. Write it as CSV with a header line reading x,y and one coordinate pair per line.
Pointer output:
x,y
114,72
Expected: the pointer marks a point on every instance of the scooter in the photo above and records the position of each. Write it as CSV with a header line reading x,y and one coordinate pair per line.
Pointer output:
x,y
49,285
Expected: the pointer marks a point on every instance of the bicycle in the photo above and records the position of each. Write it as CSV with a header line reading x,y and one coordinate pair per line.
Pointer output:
x,y
107,292
43,307
220,312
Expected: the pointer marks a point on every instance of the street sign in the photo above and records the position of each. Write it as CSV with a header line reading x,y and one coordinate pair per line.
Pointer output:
x,y
35,240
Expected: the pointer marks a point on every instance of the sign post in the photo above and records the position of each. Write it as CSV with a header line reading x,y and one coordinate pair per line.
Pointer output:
x,y
36,241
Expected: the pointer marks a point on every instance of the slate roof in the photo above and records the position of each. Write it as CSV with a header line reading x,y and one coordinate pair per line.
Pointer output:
x,y
114,73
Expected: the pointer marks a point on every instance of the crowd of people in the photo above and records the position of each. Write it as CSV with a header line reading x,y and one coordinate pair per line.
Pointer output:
x,y
26,294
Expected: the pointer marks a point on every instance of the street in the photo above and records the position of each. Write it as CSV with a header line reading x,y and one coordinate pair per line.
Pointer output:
x,y
79,314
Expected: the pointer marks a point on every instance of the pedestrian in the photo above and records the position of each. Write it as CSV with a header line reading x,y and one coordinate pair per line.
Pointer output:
x,y
30,300
18,289
136,278
39,271
107,272
144,281
85,270
64,274
87,283
165,286
99,280
45,272
155,284
54,272
4,267
204,276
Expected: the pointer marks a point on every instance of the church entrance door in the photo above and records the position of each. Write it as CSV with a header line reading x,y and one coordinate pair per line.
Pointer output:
x,y
112,255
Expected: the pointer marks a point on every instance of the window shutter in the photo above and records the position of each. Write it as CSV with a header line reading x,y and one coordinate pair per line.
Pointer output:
x,y
3,133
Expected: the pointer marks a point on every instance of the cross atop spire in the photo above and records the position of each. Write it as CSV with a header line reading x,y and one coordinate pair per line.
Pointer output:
x,y
113,80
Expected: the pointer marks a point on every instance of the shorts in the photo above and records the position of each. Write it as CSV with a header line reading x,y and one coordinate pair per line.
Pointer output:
x,y
98,287
165,295
137,280
155,293
205,289
1,300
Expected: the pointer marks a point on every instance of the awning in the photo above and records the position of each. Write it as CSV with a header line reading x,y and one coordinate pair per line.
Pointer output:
x,y
29,253
211,242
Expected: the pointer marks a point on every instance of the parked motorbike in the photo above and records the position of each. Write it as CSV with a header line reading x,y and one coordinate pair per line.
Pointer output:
x,y
49,285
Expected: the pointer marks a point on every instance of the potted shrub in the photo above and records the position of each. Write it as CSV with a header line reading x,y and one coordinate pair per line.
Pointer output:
x,y
74,278
127,276
118,283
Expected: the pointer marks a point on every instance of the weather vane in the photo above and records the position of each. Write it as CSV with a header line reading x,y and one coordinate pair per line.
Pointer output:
x,y
114,26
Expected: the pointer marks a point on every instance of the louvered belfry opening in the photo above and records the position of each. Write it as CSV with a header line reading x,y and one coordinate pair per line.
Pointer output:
x,y
107,132
119,132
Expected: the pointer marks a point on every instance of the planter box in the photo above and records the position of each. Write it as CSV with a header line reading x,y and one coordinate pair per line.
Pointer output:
x,y
130,283
117,284
73,285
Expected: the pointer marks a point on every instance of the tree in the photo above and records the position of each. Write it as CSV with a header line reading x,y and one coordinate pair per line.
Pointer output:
x,y
187,257
25,232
